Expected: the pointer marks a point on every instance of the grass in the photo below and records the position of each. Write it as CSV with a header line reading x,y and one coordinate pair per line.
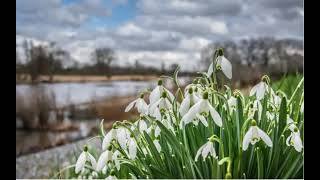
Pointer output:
x,y
25,78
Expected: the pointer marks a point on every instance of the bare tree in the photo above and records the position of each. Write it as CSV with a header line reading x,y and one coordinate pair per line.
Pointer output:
x,y
39,62
103,57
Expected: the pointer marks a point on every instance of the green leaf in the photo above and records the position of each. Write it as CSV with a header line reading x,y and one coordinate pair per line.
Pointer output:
x,y
153,149
259,163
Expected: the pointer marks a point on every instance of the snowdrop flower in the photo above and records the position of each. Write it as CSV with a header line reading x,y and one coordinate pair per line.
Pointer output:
x,y
166,122
232,103
140,104
255,107
261,88
163,104
104,158
83,158
123,136
254,135
205,149
199,111
156,143
132,148
291,124
187,102
115,157
223,64
156,93
276,100
108,138
143,126
295,140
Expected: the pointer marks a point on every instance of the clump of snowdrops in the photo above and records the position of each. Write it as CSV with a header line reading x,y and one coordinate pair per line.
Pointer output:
x,y
204,132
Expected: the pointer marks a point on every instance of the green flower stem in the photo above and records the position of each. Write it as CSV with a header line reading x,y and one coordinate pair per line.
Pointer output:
x,y
295,91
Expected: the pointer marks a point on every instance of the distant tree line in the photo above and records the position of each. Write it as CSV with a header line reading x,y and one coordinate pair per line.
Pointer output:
x,y
49,60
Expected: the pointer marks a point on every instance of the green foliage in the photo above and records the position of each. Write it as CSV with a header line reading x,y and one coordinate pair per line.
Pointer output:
x,y
222,152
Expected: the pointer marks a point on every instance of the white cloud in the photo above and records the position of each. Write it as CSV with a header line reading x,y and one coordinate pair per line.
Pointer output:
x,y
170,31
194,44
130,29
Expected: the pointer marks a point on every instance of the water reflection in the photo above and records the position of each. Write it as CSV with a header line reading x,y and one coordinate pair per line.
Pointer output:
x,y
29,141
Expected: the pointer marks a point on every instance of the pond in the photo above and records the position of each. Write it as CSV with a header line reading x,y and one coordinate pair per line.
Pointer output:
x,y
28,141
76,93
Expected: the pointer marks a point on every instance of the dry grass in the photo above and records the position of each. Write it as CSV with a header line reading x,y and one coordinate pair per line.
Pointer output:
x,y
33,107
24,78
112,109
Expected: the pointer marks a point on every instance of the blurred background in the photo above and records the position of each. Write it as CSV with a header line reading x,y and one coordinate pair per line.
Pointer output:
x,y
80,61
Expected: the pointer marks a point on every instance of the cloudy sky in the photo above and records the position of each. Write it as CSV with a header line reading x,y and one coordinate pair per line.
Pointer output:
x,y
153,31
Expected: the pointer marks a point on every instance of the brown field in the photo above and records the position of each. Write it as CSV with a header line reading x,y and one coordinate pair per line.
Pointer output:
x,y
25,78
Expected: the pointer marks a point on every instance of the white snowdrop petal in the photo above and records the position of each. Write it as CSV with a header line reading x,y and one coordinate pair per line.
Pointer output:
x,y
187,118
184,107
170,95
144,107
199,152
205,151
141,106
191,114
246,139
107,139
232,102
212,150
203,120
290,124
154,106
264,136
226,67
297,143
102,161
253,90
157,114
81,162
132,149
92,161
155,95
130,105
168,104
157,131
143,126
157,145
122,137
215,115
115,159
194,98
260,91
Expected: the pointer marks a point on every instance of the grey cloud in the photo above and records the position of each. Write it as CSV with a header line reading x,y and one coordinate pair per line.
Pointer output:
x,y
159,26
192,8
53,13
281,4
